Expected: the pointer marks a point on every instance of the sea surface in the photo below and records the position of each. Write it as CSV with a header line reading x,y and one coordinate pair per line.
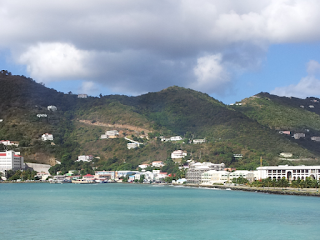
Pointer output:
x,y
132,211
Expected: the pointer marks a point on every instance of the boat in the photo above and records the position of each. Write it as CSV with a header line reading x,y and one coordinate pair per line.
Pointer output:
x,y
228,189
83,181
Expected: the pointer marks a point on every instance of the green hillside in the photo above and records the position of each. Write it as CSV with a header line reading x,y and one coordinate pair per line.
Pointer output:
x,y
79,123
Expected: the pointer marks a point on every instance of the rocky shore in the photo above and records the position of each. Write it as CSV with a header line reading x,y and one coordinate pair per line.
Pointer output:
x,y
268,190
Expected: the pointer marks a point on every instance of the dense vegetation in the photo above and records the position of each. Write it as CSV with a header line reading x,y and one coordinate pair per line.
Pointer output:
x,y
78,124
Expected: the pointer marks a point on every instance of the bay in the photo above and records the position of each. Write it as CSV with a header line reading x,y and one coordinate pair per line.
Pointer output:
x,y
133,211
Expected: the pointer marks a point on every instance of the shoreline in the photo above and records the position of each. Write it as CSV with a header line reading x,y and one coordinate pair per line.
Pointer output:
x,y
314,192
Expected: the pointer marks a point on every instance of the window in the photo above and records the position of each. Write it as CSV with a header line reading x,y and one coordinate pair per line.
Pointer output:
x,y
302,171
294,171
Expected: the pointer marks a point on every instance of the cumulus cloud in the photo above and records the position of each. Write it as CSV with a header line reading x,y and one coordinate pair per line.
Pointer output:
x,y
308,86
143,45
54,61
210,74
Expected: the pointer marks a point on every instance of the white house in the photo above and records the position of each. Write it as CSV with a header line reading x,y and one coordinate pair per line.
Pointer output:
x,y
315,138
286,155
11,160
52,108
178,154
110,134
47,137
144,165
40,115
132,145
85,158
82,95
9,143
157,164
176,138
198,141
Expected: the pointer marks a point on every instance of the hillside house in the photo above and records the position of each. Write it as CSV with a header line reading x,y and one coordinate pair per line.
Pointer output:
x,y
132,145
85,158
176,138
47,137
157,164
144,165
301,106
286,155
40,115
311,106
198,141
178,154
82,96
9,143
1,120
299,135
52,108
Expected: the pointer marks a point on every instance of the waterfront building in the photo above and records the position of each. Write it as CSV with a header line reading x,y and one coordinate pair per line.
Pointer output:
x,y
105,175
124,173
214,176
10,160
195,170
289,172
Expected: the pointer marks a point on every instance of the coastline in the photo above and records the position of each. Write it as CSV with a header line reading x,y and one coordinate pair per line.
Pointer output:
x,y
314,192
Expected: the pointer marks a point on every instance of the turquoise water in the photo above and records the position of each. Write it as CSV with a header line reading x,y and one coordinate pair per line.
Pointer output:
x,y
129,211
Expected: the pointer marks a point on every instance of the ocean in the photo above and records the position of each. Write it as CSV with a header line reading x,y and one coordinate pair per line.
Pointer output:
x,y
133,211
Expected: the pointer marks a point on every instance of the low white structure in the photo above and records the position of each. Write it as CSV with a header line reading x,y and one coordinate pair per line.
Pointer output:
x,y
157,164
40,115
289,172
11,160
47,137
82,95
198,141
132,145
213,176
85,158
178,154
9,143
144,165
110,134
286,155
176,138
52,108
1,120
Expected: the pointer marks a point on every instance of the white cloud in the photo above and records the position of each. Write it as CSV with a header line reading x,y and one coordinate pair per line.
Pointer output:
x,y
128,45
210,75
54,61
88,88
307,87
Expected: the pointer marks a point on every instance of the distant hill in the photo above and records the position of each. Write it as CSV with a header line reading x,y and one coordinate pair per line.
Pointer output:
x,y
250,129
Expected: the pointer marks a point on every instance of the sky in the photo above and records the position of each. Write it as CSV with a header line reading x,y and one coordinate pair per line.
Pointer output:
x,y
228,49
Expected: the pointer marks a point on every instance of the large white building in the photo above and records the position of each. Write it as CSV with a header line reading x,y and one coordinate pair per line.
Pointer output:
x,y
195,170
289,172
11,160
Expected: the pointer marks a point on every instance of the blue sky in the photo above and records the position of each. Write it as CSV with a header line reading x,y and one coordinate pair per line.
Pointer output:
x,y
229,49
